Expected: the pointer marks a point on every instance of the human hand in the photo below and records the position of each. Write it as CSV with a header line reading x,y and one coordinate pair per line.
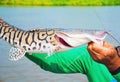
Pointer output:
x,y
105,54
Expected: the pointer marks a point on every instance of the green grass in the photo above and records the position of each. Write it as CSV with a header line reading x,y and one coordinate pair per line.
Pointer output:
x,y
59,2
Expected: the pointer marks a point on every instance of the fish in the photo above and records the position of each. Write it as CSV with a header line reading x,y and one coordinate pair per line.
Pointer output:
x,y
44,40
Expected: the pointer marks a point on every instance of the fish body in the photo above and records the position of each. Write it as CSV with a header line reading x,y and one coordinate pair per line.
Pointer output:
x,y
43,41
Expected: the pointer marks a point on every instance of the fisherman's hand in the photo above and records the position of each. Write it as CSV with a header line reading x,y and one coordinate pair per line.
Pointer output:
x,y
105,54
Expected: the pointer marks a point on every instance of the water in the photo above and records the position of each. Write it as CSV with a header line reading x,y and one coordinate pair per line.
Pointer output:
x,y
100,18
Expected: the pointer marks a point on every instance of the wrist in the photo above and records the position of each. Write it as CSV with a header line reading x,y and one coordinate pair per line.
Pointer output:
x,y
114,64
116,71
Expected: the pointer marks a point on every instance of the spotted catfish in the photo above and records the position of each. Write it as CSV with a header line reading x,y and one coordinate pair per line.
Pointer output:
x,y
43,41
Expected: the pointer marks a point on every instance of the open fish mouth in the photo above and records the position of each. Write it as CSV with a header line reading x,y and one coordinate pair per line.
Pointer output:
x,y
62,41
68,40
71,40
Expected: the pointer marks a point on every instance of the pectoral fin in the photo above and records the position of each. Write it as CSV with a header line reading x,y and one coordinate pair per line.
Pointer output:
x,y
16,54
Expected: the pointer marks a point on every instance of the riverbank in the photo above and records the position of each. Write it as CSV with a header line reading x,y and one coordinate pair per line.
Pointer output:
x,y
59,3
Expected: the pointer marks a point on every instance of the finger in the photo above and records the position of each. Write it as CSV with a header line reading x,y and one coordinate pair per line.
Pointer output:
x,y
89,47
95,56
90,43
92,47
96,47
99,48
108,45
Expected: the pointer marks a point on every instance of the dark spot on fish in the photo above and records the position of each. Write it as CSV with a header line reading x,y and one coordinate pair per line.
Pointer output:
x,y
54,44
43,34
34,48
44,46
15,43
50,38
29,49
24,47
39,44
5,38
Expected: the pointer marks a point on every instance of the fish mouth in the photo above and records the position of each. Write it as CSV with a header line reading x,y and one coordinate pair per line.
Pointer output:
x,y
61,39
67,40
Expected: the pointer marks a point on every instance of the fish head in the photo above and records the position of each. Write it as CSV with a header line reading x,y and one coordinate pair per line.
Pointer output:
x,y
69,40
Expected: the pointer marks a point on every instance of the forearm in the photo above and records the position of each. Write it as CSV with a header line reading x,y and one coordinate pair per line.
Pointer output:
x,y
45,63
114,68
114,65
63,62
114,62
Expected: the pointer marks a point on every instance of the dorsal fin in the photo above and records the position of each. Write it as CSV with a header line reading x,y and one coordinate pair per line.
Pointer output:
x,y
40,30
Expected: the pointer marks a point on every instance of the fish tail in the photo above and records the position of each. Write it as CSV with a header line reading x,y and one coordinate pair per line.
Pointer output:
x,y
9,32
